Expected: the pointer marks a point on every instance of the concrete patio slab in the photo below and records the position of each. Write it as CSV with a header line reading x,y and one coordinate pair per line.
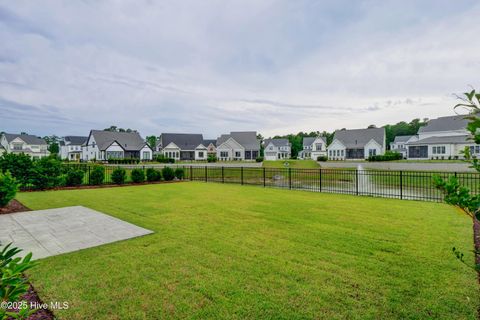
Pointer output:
x,y
55,231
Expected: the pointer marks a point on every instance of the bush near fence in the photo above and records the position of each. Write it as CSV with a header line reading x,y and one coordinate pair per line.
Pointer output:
x,y
388,156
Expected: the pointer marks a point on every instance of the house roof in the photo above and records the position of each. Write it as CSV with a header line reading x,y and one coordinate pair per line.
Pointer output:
x,y
279,142
28,138
457,122
307,141
76,140
358,138
401,139
130,141
207,142
185,141
440,140
248,139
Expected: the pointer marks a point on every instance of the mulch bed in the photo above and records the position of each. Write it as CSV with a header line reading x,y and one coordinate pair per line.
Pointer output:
x,y
13,206
32,298
104,186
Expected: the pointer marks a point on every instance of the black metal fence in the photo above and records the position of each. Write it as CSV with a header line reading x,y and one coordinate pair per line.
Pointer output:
x,y
411,185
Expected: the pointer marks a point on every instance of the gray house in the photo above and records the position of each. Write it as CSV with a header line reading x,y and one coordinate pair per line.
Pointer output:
x,y
306,153
183,146
357,144
24,143
104,145
277,149
238,146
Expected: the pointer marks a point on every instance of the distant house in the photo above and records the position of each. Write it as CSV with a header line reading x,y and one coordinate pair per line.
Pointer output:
x,y
442,138
357,144
399,145
24,143
71,147
276,149
238,146
306,153
104,145
184,146
211,145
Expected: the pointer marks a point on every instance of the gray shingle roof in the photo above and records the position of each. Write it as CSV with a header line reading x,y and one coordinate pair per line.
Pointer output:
x,y
358,138
185,141
278,142
207,142
401,139
307,141
76,140
248,139
28,138
456,122
130,141
440,140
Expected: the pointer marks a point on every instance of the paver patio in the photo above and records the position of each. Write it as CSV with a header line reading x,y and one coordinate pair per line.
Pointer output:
x,y
55,231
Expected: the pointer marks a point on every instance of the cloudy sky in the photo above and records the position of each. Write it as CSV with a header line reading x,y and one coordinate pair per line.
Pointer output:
x,y
216,66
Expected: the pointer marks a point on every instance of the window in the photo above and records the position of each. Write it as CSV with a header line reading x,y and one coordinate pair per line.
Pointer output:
x,y
342,152
114,154
17,146
200,154
146,155
330,153
372,152
438,150
318,146
271,148
223,154
238,154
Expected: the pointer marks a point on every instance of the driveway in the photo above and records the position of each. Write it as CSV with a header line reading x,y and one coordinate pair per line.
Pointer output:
x,y
55,231
406,166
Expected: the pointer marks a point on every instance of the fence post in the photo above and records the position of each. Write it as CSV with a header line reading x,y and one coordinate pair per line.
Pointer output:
x,y
320,177
206,174
88,182
401,184
289,178
356,182
264,177
223,174
191,173
241,175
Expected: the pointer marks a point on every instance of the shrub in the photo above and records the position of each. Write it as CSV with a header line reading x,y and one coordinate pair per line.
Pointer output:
x,y
163,159
388,156
259,159
46,173
153,175
322,158
74,177
119,175
168,174
8,188
20,166
211,158
137,175
179,173
124,161
97,175
14,284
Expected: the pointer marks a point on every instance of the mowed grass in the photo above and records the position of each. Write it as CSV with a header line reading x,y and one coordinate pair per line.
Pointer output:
x,y
236,252
305,164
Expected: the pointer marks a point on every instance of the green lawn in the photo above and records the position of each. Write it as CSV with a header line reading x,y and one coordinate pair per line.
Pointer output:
x,y
305,164
230,251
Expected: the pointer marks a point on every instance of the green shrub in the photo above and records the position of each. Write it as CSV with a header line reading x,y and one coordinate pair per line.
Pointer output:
x,y
119,175
322,158
74,177
137,175
211,158
153,175
14,284
388,156
124,161
259,159
163,159
179,173
97,175
46,173
8,188
168,174
20,166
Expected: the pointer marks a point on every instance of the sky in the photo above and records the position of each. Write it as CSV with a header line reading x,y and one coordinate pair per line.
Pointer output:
x,y
212,67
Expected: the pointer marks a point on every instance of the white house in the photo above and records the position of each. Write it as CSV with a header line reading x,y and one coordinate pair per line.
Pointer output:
x,y
442,138
238,146
276,149
399,145
319,148
306,153
71,147
185,146
104,145
24,143
357,144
